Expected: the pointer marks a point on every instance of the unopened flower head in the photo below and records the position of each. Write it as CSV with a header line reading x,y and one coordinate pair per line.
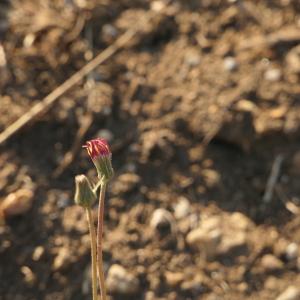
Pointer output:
x,y
100,154
84,194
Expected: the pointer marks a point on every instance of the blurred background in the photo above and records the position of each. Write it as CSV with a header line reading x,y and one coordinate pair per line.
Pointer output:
x,y
200,101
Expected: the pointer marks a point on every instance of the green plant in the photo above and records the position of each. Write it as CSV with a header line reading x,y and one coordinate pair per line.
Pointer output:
x,y
85,195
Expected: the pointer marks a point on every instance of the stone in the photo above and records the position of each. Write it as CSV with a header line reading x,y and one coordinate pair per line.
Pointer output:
x,y
291,293
293,59
230,63
271,263
174,278
61,260
298,264
109,30
120,281
38,253
220,234
246,105
292,251
230,243
162,219
271,283
207,241
192,58
17,203
272,75
182,208
194,286
125,183
29,276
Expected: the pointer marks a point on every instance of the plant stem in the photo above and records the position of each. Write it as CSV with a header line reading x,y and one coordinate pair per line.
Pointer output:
x,y
93,251
96,187
99,241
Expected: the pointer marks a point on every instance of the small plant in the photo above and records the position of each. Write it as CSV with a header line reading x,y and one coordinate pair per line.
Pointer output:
x,y
85,196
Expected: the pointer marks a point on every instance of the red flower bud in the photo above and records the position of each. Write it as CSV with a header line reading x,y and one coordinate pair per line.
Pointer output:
x,y
97,147
100,154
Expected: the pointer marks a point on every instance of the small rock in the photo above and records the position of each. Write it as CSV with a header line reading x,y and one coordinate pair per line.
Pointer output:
x,y
193,286
121,282
17,203
291,293
236,241
271,263
271,283
292,251
182,208
272,75
62,259
293,59
298,264
192,58
221,234
38,253
162,220
205,240
157,5
29,276
230,63
174,278
125,183
3,60
246,105
109,31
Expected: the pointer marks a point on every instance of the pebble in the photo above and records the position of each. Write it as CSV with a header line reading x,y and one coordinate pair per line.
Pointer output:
x,y
109,30
121,282
17,203
292,251
205,240
271,283
291,293
3,60
293,59
230,63
174,278
298,264
157,5
194,286
246,105
161,219
38,253
182,208
271,263
192,59
125,183
61,260
272,75
29,276
220,234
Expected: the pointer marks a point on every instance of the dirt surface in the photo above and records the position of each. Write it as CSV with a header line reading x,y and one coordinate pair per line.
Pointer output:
x,y
201,108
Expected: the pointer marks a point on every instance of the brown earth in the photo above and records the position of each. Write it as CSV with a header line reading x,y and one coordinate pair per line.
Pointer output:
x,y
199,107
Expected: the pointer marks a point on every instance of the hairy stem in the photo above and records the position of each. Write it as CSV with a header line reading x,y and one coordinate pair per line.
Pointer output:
x,y
93,251
99,241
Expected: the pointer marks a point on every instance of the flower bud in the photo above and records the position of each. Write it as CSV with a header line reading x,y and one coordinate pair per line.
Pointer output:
x,y
100,154
84,195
